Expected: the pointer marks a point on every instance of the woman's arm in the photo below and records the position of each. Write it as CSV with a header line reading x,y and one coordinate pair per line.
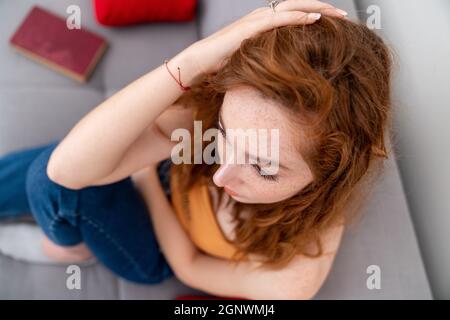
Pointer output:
x,y
152,146
172,238
300,279
100,140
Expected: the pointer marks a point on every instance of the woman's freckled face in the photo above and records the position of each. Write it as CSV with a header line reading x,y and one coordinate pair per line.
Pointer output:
x,y
244,108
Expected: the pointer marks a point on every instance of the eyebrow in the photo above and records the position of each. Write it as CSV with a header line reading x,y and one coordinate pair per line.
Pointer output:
x,y
259,159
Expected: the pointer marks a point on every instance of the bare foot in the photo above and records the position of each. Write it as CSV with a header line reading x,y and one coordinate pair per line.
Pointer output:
x,y
77,253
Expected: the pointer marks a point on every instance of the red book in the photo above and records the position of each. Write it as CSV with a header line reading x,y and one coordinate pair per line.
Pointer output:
x,y
45,37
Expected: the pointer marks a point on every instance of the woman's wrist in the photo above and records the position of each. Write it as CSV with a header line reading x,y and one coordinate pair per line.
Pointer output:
x,y
189,71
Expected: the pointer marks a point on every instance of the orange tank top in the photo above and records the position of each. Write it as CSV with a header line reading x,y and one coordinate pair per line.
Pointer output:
x,y
194,211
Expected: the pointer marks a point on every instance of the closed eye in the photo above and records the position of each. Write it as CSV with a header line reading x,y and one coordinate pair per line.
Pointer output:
x,y
258,169
269,177
221,130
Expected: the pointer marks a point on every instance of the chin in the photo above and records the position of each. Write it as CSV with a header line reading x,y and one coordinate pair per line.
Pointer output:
x,y
246,200
240,199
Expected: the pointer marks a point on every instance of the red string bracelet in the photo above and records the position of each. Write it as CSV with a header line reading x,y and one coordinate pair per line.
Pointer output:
x,y
179,76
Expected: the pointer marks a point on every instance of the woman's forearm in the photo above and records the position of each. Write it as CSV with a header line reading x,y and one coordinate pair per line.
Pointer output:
x,y
96,144
178,248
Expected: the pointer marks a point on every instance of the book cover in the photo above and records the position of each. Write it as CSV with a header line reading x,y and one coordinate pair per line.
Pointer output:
x,y
45,37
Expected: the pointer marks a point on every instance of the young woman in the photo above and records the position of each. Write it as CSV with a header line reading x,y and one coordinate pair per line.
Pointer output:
x,y
109,188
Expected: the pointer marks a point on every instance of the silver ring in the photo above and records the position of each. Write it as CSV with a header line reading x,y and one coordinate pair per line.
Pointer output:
x,y
273,4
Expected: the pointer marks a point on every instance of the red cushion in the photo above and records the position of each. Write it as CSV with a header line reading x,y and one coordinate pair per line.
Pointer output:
x,y
125,12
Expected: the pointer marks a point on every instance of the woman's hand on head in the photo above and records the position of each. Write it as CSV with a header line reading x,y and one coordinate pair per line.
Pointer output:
x,y
210,53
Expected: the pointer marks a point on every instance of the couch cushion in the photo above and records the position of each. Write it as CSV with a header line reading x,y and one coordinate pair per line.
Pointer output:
x,y
21,280
32,116
132,51
136,50
212,18
384,236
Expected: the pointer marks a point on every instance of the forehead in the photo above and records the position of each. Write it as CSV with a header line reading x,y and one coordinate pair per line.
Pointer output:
x,y
245,108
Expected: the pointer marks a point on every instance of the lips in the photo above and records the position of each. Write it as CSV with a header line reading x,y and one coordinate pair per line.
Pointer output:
x,y
230,192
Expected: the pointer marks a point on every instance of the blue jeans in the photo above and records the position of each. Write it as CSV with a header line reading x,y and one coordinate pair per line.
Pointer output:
x,y
112,220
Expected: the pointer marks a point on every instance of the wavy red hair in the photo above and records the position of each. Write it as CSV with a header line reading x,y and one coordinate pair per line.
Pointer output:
x,y
333,77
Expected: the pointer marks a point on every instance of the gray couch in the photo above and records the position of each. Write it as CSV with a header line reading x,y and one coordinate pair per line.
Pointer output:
x,y
38,105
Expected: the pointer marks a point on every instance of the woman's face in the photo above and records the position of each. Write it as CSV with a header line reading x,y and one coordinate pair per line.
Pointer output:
x,y
244,108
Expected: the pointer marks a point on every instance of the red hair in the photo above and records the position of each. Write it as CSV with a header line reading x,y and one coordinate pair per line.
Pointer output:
x,y
333,77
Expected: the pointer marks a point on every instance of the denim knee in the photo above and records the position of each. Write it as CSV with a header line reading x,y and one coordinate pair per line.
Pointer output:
x,y
53,205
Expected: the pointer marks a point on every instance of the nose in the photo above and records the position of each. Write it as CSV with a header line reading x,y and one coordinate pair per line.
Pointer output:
x,y
223,175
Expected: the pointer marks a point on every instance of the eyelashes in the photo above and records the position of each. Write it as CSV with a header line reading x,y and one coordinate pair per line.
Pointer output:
x,y
219,127
269,177
256,167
